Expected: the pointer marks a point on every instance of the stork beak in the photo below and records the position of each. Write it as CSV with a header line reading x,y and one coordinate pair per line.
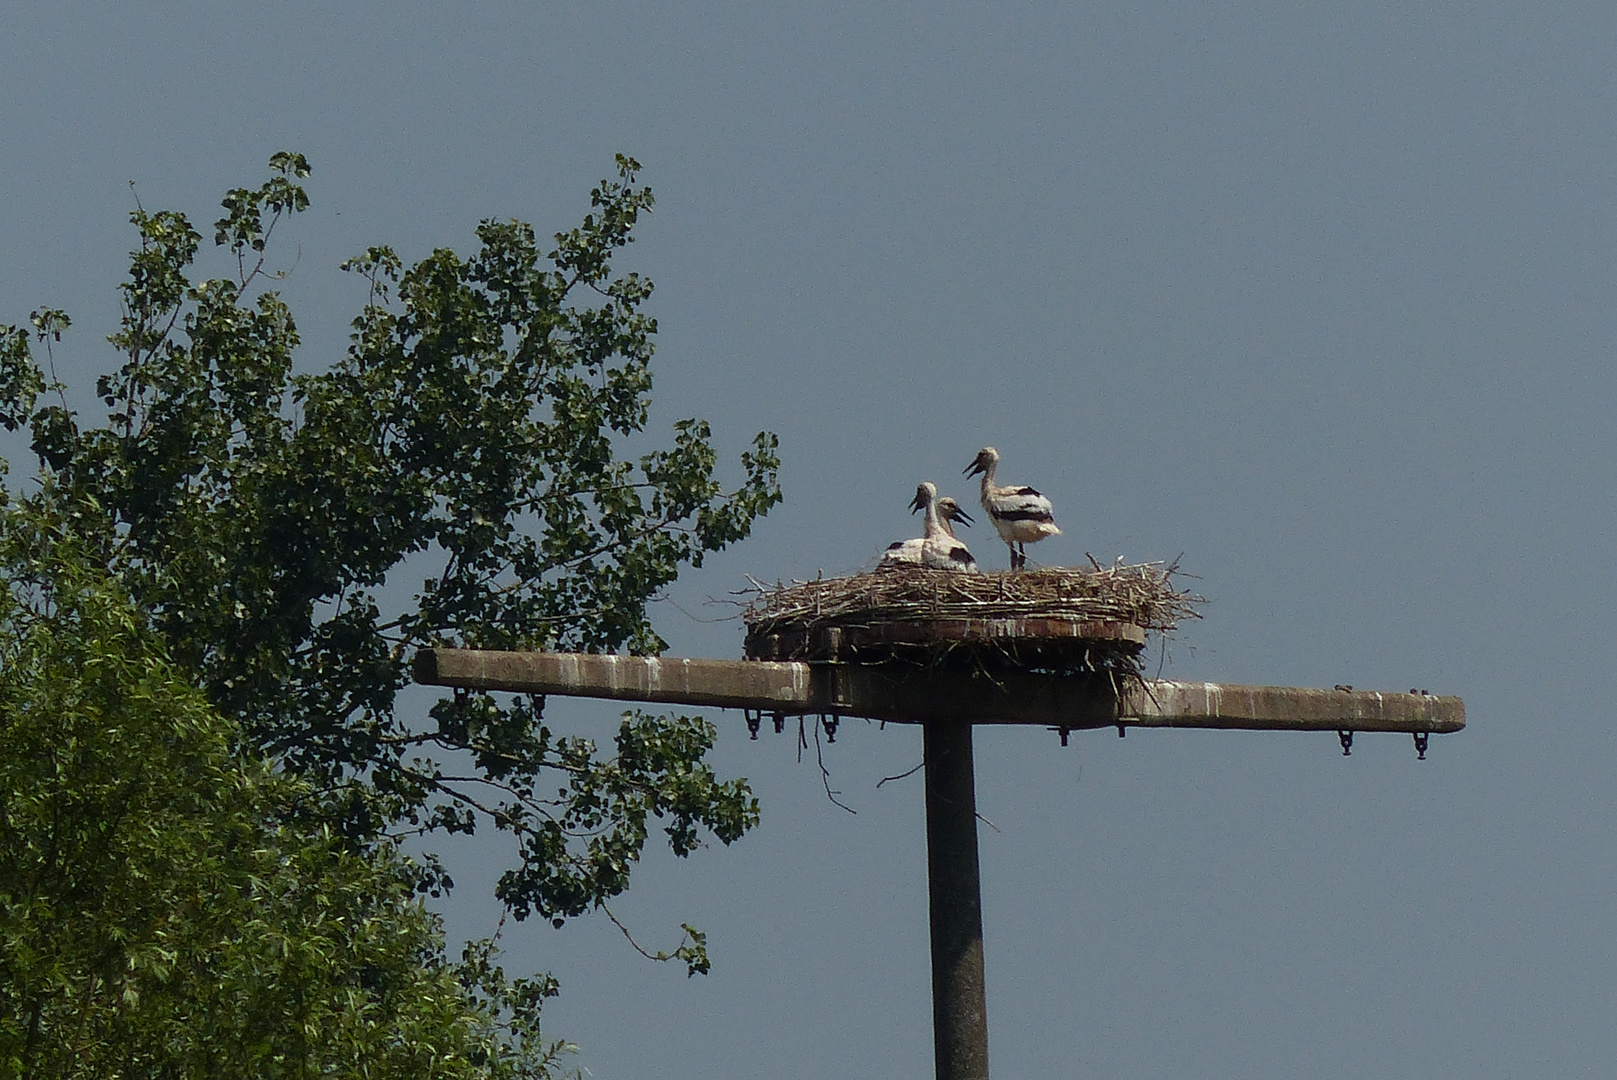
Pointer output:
x,y
973,469
963,517
915,504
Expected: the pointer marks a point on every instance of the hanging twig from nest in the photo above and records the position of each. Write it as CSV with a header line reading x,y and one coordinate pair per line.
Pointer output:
x,y
911,772
825,774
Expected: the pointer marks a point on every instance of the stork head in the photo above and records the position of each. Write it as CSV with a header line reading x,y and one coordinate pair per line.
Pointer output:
x,y
984,462
925,492
950,510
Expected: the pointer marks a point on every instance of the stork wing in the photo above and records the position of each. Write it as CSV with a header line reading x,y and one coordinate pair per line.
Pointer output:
x,y
1023,504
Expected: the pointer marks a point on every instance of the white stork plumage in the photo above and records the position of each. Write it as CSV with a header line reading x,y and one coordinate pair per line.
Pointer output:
x,y
938,548
1020,514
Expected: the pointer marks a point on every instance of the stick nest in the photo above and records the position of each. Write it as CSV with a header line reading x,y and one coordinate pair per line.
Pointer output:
x,y
912,598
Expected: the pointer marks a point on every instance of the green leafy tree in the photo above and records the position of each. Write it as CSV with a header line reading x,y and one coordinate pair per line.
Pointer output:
x,y
163,910
470,439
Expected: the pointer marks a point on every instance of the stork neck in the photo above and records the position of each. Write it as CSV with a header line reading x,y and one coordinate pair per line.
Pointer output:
x,y
935,529
988,481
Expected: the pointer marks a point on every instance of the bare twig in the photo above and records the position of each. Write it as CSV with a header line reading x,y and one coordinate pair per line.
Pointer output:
x,y
825,774
911,772
671,602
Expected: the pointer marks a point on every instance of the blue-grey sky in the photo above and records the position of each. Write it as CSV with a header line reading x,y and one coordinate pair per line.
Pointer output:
x,y
1321,299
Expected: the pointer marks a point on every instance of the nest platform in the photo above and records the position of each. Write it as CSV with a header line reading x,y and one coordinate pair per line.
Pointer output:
x,y
1054,618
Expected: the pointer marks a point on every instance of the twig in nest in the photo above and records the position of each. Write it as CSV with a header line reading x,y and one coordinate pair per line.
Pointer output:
x,y
675,604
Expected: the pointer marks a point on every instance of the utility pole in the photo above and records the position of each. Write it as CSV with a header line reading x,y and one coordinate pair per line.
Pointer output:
x,y
949,704
955,896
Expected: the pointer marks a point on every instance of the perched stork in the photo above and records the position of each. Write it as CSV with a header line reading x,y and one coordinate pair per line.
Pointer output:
x,y
909,551
1020,514
938,548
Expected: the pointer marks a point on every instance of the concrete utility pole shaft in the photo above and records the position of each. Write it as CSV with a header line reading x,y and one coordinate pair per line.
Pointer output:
x,y
959,997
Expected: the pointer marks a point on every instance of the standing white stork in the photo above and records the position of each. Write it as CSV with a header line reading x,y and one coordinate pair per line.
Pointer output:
x,y
938,548
1020,514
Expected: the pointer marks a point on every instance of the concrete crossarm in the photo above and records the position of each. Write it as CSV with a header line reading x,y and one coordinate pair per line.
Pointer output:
x,y
1167,703
915,695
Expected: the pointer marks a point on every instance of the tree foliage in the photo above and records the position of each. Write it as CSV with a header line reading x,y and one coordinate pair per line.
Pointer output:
x,y
164,912
472,439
